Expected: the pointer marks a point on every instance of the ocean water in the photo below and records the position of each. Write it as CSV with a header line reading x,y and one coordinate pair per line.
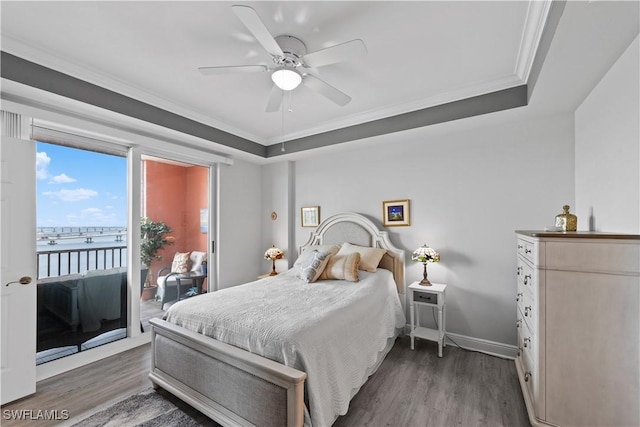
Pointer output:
x,y
70,256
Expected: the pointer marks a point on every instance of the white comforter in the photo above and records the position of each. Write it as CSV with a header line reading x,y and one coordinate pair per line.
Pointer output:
x,y
333,330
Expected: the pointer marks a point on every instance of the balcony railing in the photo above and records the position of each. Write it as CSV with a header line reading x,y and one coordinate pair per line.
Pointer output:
x,y
70,261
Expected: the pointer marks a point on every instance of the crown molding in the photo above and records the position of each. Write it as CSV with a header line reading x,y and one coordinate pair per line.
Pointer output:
x,y
537,14
32,53
24,50
506,82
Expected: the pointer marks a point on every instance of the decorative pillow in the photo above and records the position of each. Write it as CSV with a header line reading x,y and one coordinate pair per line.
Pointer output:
x,y
181,262
310,271
306,256
369,257
342,267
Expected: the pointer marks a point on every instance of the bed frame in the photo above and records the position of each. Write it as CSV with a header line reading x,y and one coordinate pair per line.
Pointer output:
x,y
235,387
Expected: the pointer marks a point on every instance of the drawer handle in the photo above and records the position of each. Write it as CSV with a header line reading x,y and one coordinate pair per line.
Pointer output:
x,y
519,351
518,270
520,246
527,342
527,310
518,296
527,375
527,251
526,279
518,323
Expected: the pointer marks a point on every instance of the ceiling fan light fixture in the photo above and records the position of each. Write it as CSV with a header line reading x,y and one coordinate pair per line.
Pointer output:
x,y
286,78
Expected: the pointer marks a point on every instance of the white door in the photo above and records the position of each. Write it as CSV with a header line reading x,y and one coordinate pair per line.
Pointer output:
x,y
17,261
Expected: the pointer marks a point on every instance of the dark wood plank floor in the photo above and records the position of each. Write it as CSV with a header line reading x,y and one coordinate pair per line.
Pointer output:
x,y
411,388
417,388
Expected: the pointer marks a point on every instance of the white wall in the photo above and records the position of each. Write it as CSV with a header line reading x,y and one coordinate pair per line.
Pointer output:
x,y
469,190
608,149
276,190
240,228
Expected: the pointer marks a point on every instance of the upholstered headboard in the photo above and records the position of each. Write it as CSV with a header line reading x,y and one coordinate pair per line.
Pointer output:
x,y
358,230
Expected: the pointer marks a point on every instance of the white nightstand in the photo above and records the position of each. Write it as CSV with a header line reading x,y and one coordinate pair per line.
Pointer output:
x,y
430,296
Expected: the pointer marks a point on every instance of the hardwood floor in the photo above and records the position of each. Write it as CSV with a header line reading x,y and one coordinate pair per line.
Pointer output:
x,y
418,388
411,388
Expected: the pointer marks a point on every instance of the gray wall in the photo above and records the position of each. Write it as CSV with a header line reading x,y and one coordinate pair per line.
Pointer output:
x,y
608,149
470,187
240,228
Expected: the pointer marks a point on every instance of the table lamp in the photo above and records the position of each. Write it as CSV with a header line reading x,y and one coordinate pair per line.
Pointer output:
x,y
425,254
273,254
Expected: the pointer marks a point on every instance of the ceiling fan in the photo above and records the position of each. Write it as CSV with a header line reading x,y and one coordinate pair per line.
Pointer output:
x,y
291,61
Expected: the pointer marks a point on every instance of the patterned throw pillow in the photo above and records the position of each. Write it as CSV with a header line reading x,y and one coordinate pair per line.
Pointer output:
x,y
342,267
310,271
181,262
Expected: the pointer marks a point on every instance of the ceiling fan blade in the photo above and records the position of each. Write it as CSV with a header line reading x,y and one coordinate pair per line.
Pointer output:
x,y
233,69
337,53
254,24
326,90
275,99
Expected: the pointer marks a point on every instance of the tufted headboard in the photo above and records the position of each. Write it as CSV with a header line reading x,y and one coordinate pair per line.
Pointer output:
x,y
358,230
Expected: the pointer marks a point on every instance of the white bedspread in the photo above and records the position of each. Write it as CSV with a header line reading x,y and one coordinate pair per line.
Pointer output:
x,y
332,330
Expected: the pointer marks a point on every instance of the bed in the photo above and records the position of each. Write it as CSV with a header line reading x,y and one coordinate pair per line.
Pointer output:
x,y
292,372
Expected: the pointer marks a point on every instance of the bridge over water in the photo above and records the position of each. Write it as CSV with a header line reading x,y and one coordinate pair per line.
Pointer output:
x,y
53,234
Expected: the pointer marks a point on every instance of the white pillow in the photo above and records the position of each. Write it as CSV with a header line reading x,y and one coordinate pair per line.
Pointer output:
x,y
311,270
369,257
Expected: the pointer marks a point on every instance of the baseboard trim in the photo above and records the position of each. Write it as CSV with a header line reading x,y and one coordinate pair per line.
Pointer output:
x,y
491,348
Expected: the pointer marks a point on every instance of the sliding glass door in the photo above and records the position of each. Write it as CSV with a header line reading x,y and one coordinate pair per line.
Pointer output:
x,y
174,234
81,240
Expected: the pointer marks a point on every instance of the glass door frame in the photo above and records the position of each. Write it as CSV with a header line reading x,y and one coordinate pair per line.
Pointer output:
x,y
135,158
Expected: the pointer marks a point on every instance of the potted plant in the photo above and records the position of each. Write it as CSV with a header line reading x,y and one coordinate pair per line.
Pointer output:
x,y
154,237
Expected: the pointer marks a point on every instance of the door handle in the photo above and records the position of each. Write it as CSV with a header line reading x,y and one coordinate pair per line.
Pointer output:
x,y
24,280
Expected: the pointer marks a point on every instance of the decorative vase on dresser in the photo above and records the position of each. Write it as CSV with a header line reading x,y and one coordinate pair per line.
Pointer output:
x,y
578,323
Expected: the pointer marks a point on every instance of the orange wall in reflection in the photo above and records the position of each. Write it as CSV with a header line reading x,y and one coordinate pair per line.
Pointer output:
x,y
175,195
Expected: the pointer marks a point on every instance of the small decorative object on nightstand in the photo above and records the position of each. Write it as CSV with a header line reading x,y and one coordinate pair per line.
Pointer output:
x,y
425,254
431,296
273,254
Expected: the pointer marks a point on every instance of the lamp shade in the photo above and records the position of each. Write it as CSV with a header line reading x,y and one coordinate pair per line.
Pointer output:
x,y
425,254
274,253
286,78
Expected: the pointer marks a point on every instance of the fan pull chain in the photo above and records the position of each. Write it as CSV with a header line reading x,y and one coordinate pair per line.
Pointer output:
x,y
282,106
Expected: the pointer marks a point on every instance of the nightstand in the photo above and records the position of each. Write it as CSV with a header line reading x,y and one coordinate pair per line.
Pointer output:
x,y
430,296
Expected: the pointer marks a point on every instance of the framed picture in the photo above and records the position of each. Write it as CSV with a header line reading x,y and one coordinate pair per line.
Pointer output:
x,y
310,216
395,212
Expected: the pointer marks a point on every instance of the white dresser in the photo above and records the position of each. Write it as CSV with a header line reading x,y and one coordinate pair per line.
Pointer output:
x,y
578,322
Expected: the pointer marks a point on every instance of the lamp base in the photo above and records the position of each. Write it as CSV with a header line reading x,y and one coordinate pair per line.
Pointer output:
x,y
425,281
273,273
273,270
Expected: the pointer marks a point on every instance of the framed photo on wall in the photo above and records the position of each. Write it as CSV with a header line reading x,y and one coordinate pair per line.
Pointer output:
x,y
310,216
396,213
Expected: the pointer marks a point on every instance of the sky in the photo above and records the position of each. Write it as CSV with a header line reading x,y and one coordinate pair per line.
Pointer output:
x,y
80,188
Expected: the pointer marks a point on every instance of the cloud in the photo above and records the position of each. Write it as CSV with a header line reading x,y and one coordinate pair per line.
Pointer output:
x,y
93,216
62,179
71,195
42,165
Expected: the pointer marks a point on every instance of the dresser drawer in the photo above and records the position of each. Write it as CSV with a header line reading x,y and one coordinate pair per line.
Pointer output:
x,y
525,249
526,276
425,297
526,354
527,309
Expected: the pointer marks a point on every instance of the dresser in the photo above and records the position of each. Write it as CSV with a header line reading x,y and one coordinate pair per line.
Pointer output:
x,y
578,327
